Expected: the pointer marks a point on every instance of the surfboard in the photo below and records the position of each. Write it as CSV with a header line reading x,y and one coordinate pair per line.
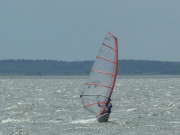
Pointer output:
x,y
103,118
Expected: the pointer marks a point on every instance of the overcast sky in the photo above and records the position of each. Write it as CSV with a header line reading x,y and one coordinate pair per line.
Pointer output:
x,y
73,30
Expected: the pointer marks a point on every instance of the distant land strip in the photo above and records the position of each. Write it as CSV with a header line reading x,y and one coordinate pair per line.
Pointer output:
x,y
78,68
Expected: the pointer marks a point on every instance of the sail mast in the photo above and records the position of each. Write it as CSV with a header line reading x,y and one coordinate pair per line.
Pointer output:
x,y
116,55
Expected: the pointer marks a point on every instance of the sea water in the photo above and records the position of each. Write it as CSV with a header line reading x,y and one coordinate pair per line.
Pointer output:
x,y
142,105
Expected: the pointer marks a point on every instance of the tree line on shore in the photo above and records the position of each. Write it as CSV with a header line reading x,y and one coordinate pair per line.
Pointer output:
x,y
54,67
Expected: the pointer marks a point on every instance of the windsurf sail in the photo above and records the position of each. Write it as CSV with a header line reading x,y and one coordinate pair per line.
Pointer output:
x,y
102,77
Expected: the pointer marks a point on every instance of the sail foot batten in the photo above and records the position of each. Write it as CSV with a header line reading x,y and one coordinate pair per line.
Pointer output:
x,y
94,104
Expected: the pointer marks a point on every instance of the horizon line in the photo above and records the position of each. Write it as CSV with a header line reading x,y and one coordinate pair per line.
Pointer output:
x,y
86,60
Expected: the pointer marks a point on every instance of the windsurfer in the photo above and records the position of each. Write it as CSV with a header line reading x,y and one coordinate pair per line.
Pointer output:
x,y
108,107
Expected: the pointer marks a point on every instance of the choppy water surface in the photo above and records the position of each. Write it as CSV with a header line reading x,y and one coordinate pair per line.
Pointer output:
x,y
142,105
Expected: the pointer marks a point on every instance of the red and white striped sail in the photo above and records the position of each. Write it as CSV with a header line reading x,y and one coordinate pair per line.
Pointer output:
x,y
102,77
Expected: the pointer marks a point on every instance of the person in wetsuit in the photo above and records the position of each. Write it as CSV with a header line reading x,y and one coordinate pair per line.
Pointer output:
x,y
108,107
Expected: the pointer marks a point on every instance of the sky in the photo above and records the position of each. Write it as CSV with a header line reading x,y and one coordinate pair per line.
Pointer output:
x,y
73,30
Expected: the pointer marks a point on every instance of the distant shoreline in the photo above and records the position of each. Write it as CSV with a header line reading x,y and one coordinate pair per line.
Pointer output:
x,y
82,68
